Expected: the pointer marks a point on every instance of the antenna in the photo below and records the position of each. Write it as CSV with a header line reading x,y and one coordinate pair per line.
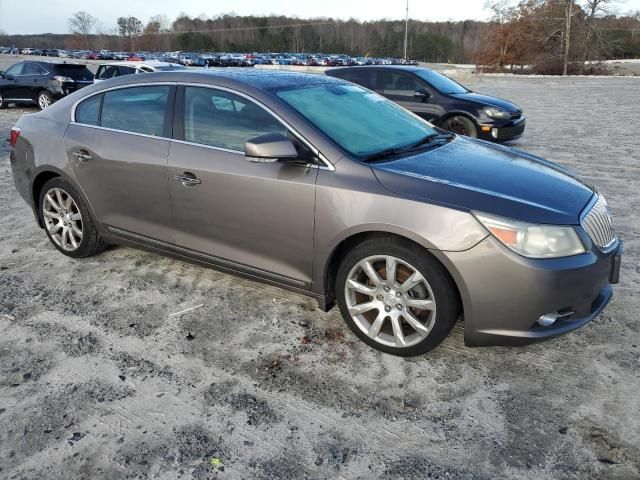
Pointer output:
x,y
406,30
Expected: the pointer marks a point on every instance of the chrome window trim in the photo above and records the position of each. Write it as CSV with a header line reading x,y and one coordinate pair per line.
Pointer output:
x,y
98,127
327,164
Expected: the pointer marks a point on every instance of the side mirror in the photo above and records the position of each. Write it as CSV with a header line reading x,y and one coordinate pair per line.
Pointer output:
x,y
421,93
1,74
8,77
270,148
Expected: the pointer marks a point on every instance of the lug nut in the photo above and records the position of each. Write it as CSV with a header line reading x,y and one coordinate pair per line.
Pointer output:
x,y
399,305
387,309
386,288
380,297
398,294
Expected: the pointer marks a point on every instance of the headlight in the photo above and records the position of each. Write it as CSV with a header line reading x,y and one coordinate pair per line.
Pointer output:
x,y
495,112
533,240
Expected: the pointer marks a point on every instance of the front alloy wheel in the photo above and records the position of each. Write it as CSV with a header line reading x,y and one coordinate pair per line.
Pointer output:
x,y
395,296
390,301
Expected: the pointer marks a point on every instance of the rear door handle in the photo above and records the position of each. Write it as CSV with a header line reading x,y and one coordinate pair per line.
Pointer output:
x,y
188,179
82,155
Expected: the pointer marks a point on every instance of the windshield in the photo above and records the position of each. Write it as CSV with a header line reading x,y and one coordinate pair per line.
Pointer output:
x,y
361,122
440,82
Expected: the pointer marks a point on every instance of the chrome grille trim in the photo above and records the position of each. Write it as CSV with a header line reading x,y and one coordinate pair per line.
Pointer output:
x,y
598,223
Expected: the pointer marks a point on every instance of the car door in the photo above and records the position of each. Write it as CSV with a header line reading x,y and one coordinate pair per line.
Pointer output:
x,y
408,91
257,217
118,145
13,89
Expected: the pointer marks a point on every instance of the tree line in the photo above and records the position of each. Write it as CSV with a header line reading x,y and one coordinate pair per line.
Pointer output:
x,y
545,36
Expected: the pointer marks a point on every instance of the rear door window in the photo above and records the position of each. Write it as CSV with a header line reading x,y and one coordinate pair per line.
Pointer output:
x,y
136,109
123,70
33,69
106,71
79,73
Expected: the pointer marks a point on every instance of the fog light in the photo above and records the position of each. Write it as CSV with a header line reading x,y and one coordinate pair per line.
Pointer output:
x,y
494,133
551,318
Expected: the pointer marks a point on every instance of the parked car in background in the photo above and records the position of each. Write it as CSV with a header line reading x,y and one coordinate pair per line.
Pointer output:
x,y
41,83
440,100
112,70
450,227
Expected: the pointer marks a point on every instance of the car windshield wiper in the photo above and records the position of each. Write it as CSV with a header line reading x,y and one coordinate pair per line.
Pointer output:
x,y
428,140
431,139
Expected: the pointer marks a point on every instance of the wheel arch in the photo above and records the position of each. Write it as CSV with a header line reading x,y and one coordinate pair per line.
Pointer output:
x,y
345,245
40,178
457,113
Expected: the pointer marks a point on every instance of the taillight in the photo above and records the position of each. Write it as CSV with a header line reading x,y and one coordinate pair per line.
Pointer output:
x,y
13,137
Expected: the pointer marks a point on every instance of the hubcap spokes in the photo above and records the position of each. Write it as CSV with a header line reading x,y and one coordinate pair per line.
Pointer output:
x,y
44,101
62,219
390,301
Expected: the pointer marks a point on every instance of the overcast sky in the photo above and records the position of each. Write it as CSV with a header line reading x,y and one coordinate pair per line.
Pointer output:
x,y
39,16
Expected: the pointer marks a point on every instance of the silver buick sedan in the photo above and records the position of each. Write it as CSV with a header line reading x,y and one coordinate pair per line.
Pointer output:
x,y
321,186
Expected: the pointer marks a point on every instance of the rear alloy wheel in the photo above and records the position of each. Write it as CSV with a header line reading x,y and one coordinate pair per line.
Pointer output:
x,y
67,221
2,102
396,299
44,99
461,126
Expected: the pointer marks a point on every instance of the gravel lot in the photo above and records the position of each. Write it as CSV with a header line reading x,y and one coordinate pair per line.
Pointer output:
x,y
100,378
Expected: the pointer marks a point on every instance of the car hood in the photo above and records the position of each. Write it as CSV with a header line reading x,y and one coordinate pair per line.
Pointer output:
x,y
474,175
487,100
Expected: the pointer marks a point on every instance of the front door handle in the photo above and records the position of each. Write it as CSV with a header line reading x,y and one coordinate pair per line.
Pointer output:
x,y
188,179
82,155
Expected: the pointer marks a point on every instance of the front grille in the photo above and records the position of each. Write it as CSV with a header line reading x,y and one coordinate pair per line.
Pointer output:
x,y
599,224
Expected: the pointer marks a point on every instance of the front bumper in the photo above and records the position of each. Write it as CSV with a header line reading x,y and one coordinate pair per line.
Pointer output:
x,y
502,131
505,294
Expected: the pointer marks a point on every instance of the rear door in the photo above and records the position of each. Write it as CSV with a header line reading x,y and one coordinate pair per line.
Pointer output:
x,y
256,215
401,87
118,147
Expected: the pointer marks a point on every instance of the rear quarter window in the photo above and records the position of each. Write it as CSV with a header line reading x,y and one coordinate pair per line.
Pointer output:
x,y
88,111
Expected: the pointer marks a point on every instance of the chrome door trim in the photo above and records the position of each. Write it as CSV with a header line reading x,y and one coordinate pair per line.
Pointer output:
x,y
98,127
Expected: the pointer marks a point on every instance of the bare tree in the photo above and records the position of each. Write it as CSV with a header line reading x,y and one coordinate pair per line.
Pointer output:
x,y
81,23
594,9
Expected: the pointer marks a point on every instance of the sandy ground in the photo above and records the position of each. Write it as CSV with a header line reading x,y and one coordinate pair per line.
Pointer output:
x,y
100,377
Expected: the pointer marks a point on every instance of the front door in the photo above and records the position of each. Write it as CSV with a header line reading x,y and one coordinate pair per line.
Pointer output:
x,y
118,148
255,216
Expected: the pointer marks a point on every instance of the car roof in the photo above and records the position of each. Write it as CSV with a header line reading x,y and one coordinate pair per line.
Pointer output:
x,y
151,64
405,68
256,78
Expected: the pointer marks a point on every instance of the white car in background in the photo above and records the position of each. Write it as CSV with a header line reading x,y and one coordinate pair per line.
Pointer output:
x,y
117,69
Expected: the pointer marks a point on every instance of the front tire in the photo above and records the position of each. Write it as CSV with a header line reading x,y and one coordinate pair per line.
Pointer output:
x,y
67,221
44,99
461,125
396,297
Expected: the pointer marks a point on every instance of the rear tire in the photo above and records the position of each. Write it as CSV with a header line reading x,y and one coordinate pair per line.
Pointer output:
x,y
67,221
3,103
44,99
461,126
407,313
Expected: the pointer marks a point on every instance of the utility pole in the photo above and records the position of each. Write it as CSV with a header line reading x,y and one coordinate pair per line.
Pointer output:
x,y
567,35
406,30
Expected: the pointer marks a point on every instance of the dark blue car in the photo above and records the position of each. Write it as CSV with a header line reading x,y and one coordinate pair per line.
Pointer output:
x,y
440,100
